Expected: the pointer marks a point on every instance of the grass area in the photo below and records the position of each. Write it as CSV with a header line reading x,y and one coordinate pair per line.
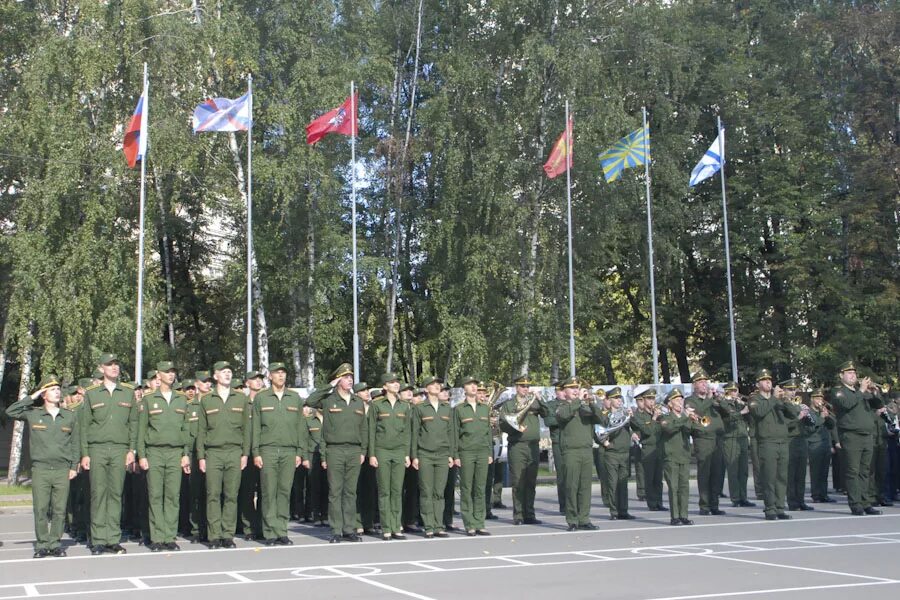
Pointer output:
x,y
14,490
14,503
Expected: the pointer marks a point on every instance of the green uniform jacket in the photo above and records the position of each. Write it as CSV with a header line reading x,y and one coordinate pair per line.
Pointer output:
x,y
772,416
819,433
707,407
277,423
675,432
343,422
109,418
193,420
224,423
471,431
390,427
648,428
576,427
52,443
532,425
620,439
735,426
314,435
431,429
854,410
164,423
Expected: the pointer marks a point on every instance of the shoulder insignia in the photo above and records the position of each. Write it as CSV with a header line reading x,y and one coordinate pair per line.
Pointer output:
x,y
178,393
92,387
126,385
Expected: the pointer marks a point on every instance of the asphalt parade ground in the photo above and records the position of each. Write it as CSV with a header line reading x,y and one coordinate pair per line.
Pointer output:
x,y
825,554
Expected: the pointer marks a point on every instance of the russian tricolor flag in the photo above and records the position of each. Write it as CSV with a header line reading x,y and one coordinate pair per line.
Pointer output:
x,y
223,114
135,144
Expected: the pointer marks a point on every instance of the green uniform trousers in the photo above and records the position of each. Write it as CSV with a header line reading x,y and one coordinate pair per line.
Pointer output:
x,y
367,512
858,448
677,480
198,499
709,465
410,511
578,463
78,508
276,478
736,449
798,456
617,482
472,475
819,461
343,478
49,493
754,463
390,474
107,477
651,460
223,482
432,480
599,455
523,469
878,470
560,466
450,496
773,466
248,504
493,491
636,460
316,490
164,490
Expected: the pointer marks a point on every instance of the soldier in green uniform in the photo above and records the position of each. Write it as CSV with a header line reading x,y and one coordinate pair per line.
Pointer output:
x,y
367,520
493,490
553,425
708,442
52,443
522,448
645,423
754,455
772,413
431,455
192,520
409,513
390,436
472,450
817,430
316,482
675,430
109,426
452,476
249,517
798,454
598,451
277,444
223,445
78,507
856,408
736,445
878,469
576,418
615,448
345,439
164,449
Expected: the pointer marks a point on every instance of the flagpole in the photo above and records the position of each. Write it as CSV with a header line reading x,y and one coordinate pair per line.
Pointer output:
x,y
139,329
353,228
650,251
250,226
734,368
569,214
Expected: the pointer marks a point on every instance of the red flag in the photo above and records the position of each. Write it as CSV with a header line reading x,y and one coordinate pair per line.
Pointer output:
x,y
340,120
561,156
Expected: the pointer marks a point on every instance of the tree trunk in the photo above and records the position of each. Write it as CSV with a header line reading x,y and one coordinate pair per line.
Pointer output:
x,y
681,357
3,345
18,434
664,364
166,259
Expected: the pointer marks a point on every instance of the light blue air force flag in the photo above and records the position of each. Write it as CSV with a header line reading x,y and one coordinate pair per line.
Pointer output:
x,y
711,162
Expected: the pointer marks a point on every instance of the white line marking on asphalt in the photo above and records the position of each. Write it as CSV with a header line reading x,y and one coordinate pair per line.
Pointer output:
x,y
136,582
515,561
425,566
239,577
30,590
773,591
379,584
799,568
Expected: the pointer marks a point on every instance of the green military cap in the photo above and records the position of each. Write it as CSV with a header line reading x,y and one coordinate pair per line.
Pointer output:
x,y
616,392
763,374
176,385
343,369
523,380
570,382
277,366
431,379
165,365
378,393
202,376
97,374
48,381
360,387
700,375
418,391
482,387
466,379
387,378
237,384
222,364
252,375
730,386
585,384
645,391
187,383
817,393
406,386
147,383
674,393
70,390
848,366
85,382
151,373
445,387
600,393
108,358
789,384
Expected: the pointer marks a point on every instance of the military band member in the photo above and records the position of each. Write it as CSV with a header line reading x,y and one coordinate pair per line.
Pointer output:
x,y
708,442
522,449
736,445
798,455
250,519
277,444
856,408
223,445
576,417
472,451
598,451
431,455
818,438
345,439
390,436
879,466
645,424
615,449
109,429
553,425
675,430
53,445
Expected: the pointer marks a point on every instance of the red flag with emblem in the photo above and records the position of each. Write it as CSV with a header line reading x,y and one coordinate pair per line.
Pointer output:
x,y
340,120
561,156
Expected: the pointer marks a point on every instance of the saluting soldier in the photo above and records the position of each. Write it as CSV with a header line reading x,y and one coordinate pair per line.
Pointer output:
x,y
164,450
277,444
553,425
856,408
345,440
522,450
109,429
736,445
390,436
472,449
798,454
52,443
675,429
431,455
647,431
223,445
615,449
708,442
250,519
577,417
817,430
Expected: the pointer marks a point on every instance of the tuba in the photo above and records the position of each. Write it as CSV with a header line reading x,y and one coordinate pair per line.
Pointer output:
x,y
617,420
